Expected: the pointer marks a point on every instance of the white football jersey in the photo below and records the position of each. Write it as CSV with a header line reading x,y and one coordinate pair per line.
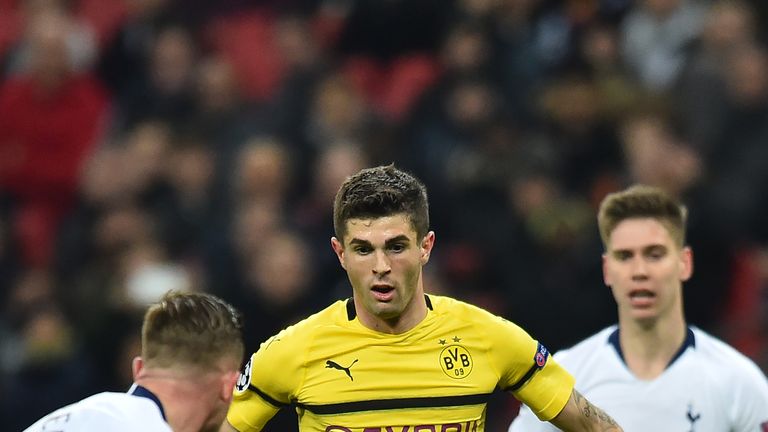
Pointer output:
x,y
707,387
137,410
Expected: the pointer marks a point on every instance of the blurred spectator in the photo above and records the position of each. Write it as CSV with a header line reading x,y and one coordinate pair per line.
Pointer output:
x,y
168,92
186,213
224,119
655,37
123,65
50,119
655,156
264,173
617,91
338,112
453,127
44,349
581,134
386,30
701,89
515,31
306,65
9,259
739,160
80,39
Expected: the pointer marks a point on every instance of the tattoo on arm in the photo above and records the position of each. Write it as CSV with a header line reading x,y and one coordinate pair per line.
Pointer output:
x,y
594,415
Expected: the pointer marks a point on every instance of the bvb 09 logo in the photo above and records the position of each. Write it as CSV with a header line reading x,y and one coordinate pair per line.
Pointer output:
x,y
456,361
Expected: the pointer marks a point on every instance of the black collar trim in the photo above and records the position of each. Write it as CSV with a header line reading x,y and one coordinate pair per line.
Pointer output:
x,y
690,341
137,390
352,312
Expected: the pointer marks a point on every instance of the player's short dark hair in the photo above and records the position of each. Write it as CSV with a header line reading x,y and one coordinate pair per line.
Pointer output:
x,y
640,201
191,329
378,192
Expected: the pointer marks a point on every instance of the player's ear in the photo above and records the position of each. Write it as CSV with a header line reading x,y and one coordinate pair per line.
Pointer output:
x,y
427,243
338,248
606,279
686,264
228,385
137,366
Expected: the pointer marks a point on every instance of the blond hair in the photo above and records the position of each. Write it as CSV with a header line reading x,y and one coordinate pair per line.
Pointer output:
x,y
641,201
191,330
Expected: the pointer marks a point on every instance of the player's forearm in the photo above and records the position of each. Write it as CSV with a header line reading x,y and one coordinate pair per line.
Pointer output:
x,y
226,427
580,415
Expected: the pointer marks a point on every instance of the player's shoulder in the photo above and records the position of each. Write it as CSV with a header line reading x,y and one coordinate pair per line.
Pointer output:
x,y
493,328
283,345
458,309
332,315
724,358
126,408
593,346
118,412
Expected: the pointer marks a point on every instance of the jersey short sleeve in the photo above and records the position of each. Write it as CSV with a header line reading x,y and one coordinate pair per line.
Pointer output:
x,y
750,399
267,383
527,369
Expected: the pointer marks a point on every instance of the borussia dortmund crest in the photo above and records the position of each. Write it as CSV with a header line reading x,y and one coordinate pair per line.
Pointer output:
x,y
456,361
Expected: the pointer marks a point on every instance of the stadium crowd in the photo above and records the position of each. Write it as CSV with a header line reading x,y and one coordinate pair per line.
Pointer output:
x,y
148,145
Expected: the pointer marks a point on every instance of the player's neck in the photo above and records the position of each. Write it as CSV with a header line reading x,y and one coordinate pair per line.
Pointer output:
x,y
180,399
648,348
413,314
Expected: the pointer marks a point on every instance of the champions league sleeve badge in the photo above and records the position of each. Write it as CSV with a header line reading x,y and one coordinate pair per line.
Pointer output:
x,y
245,377
540,358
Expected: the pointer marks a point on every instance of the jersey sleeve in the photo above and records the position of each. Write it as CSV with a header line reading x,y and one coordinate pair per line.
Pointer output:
x,y
750,400
528,371
269,382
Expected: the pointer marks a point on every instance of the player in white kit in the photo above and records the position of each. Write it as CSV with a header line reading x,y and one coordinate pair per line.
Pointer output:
x,y
191,353
653,372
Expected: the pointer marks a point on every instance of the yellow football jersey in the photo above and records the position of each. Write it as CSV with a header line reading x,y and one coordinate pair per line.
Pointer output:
x,y
341,376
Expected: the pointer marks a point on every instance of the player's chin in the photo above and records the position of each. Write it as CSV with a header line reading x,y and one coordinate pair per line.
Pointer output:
x,y
388,310
644,316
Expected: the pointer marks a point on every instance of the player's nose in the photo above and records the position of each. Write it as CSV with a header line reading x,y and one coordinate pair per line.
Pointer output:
x,y
382,264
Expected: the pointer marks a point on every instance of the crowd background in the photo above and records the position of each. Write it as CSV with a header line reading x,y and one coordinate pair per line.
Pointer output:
x,y
155,144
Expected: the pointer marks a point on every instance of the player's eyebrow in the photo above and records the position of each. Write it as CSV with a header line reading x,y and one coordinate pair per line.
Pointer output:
x,y
359,242
621,253
402,238
655,248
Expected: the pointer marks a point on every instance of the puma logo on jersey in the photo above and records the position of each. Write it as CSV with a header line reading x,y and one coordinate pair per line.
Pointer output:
x,y
330,364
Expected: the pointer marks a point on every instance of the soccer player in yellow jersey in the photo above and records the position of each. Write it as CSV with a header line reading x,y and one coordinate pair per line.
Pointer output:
x,y
392,359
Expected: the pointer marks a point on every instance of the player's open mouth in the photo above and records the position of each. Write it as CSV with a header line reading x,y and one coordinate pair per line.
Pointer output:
x,y
383,292
642,297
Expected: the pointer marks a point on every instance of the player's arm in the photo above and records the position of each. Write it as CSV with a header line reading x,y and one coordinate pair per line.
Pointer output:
x,y
227,427
580,415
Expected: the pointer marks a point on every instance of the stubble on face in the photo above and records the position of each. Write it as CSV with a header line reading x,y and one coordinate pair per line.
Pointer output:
x,y
383,259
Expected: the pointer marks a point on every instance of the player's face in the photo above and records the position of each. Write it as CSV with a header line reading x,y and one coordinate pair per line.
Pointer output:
x,y
383,258
645,269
